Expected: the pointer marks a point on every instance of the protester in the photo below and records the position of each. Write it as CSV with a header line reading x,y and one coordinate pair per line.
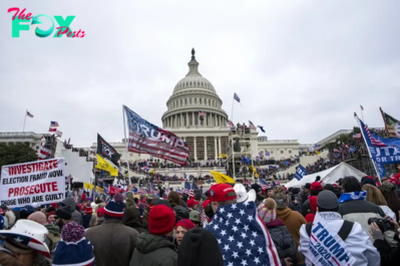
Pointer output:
x,y
73,248
87,216
26,211
199,247
53,237
313,204
305,192
315,188
258,189
389,256
24,244
113,242
283,240
132,218
156,246
97,216
194,216
291,219
374,195
51,218
193,204
330,230
71,207
181,228
390,195
181,212
353,205
149,203
63,215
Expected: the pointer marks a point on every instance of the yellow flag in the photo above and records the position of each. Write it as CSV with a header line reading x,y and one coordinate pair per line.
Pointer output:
x,y
87,186
317,152
104,165
223,155
221,178
99,189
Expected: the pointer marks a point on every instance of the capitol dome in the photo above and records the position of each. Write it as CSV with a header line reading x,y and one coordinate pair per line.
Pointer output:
x,y
194,102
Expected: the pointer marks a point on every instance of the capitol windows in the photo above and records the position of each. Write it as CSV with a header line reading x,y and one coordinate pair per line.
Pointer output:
x,y
290,151
281,151
195,100
185,101
190,101
180,102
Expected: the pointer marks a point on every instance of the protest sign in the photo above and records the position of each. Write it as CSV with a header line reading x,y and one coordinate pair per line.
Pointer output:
x,y
40,182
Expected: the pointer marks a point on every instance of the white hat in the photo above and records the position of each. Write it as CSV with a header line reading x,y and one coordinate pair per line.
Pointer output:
x,y
93,205
243,195
30,234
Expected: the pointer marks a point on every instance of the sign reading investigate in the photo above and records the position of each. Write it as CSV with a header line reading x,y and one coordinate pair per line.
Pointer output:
x,y
40,182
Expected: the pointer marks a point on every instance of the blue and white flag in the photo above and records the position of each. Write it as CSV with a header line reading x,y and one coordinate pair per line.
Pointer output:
x,y
381,169
300,172
242,236
383,150
236,97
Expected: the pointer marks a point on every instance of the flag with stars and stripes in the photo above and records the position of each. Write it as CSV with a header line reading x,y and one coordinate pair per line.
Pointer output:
x,y
264,184
188,190
242,236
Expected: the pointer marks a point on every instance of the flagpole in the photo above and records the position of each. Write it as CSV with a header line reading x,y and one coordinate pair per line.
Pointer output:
x,y
233,161
362,113
366,144
233,104
384,121
126,145
23,129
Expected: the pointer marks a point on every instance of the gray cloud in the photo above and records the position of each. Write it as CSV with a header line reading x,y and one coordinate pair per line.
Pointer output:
x,y
301,69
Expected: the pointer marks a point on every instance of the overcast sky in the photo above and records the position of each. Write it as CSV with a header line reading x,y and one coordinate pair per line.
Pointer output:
x,y
301,68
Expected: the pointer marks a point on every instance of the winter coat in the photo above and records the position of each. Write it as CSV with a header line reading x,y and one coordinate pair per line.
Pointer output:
x,y
154,250
53,237
86,220
389,256
113,243
360,211
76,216
293,221
306,208
283,241
181,213
132,219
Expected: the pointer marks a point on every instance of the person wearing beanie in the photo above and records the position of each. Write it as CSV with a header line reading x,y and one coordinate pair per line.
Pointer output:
x,y
51,217
181,228
63,217
87,216
199,247
283,240
73,248
313,205
293,220
368,180
156,246
113,242
71,207
355,241
315,188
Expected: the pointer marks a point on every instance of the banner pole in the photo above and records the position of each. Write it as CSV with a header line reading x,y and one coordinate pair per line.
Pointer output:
x,y
366,144
23,129
233,104
126,145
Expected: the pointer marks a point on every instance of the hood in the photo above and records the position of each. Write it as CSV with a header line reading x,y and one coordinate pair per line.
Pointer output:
x,y
11,218
53,229
131,217
181,213
69,202
147,243
276,222
283,213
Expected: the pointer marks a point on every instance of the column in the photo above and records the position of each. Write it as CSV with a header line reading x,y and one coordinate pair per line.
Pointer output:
x,y
219,145
182,124
195,148
193,119
205,149
215,148
187,119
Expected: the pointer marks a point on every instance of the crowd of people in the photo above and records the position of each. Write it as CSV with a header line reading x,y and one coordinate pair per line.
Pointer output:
x,y
353,221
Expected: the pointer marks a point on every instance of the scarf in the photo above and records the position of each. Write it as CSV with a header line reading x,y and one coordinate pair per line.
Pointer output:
x,y
357,195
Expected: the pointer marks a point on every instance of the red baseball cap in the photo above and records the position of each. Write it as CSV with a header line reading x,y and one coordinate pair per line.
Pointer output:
x,y
192,202
205,204
219,193
316,186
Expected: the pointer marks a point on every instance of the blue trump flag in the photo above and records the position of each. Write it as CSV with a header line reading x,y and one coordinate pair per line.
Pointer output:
x,y
242,236
300,172
383,150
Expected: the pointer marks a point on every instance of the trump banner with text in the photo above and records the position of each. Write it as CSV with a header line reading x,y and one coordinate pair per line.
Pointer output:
x,y
40,182
146,138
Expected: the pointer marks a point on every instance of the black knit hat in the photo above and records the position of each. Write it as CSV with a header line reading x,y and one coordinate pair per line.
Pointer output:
x,y
63,213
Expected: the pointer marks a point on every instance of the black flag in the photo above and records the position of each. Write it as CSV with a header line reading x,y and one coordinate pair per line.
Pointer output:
x,y
105,150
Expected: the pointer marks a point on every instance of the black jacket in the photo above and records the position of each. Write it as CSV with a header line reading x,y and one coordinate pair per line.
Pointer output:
x,y
132,219
389,256
154,250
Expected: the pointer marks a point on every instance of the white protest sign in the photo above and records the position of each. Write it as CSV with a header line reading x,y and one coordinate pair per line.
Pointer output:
x,y
40,182
326,248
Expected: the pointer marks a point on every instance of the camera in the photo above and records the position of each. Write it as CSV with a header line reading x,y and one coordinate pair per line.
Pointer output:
x,y
384,224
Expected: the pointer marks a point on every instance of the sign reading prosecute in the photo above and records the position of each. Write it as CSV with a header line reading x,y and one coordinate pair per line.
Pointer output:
x,y
40,182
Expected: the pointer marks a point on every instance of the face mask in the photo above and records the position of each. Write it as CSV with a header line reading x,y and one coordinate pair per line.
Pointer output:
x,y
209,211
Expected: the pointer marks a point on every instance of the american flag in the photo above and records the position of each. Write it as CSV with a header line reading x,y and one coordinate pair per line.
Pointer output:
x,y
252,125
44,153
362,108
230,123
245,181
53,124
242,236
188,190
147,138
236,97
59,133
357,136
371,137
261,128
52,129
29,114
201,113
142,191
336,151
264,184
